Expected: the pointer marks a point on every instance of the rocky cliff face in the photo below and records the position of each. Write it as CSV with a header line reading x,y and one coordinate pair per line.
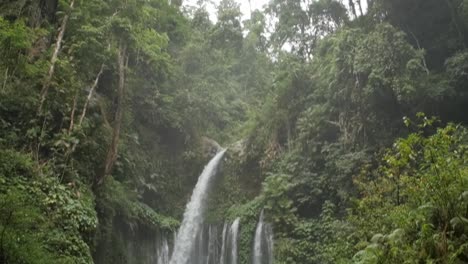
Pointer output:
x,y
209,147
37,11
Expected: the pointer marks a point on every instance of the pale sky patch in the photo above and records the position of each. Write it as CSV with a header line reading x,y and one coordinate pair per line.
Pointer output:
x,y
244,4
246,7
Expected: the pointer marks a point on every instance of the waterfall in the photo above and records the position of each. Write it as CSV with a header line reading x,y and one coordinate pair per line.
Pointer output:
x,y
198,243
257,250
193,216
212,245
163,252
263,243
223,244
269,242
234,233
201,247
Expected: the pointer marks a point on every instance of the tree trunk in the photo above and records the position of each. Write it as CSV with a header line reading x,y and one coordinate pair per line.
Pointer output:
x,y
5,79
90,95
453,12
49,9
113,148
58,45
360,7
72,115
426,69
353,8
370,4
288,134
104,115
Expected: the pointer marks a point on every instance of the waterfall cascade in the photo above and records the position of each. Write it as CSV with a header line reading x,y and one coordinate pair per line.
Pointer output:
x,y
234,232
216,247
163,252
219,244
223,245
199,243
263,243
193,216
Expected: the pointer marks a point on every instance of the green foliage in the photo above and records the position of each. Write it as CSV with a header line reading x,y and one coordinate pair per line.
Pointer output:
x,y
42,219
301,25
282,207
318,101
330,118
71,157
416,197
15,39
123,202
322,240
19,242
249,214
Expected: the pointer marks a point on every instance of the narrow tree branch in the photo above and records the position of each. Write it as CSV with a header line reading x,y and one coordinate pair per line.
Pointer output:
x,y
104,115
360,7
420,48
5,80
58,45
353,8
90,95
454,14
72,115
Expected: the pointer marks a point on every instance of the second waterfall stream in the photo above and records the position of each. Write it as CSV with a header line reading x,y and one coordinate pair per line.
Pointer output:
x,y
199,243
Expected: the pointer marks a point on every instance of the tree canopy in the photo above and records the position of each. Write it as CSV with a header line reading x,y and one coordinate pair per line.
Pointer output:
x,y
345,122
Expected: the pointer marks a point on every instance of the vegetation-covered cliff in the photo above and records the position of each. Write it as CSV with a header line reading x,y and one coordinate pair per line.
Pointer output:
x,y
345,120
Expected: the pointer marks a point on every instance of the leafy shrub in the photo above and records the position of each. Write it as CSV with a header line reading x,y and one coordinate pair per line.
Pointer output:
x,y
41,218
414,205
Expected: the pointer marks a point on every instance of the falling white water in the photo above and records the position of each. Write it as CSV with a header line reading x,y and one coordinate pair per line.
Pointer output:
x,y
263,243
193,216
257,250
212,245
201,247
163,252
234,233
269,242
223,244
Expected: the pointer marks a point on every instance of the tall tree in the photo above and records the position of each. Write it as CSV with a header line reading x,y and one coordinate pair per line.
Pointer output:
x,y
300,24
111,158
227,32
53,60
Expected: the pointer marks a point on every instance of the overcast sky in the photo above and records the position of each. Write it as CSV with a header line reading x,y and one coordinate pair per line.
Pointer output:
x,y
256,4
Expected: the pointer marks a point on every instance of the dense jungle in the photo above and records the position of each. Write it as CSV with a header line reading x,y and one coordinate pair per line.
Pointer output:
x,y
345,124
